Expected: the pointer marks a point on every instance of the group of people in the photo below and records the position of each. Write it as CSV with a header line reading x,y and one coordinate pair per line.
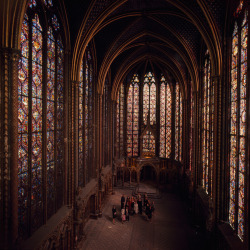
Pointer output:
x,y
131,206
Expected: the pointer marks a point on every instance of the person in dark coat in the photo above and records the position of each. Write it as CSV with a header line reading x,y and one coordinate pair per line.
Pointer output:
x,y
145,200
122,201
127,214
114,213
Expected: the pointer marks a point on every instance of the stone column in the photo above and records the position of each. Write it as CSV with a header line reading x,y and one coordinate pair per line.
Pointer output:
x,y
5,149
76,134
13,132
99,149
113,131
9,147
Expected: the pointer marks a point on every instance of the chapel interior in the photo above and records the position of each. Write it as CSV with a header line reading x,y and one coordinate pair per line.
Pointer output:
x,y
97,95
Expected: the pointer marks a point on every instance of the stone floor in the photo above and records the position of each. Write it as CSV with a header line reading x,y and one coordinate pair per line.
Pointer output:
x,y
170,227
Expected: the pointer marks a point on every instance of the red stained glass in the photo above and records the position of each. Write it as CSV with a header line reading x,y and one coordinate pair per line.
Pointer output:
x,y
207,127
31,117
238,125
149,98
165,118
85,116
133,117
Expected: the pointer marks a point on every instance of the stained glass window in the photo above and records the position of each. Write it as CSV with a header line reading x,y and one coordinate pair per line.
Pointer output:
x,y
106,141
32,3
59,122
51,121
178,123
120,122
85,119
207,126
38,126
149,143
48,3
133,117
237,160
165,118
149,98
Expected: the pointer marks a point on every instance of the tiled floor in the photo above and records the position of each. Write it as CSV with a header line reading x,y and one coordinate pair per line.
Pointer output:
x,y
170,227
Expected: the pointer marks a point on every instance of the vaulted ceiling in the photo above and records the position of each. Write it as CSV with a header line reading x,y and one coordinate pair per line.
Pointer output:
x,y
170,34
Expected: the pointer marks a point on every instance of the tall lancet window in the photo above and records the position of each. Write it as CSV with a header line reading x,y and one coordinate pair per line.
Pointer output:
x,y
191,132
165,118
207,126
178,123
105,123
148,142
120,122
149,98
85,119
133,117
238,104
40,118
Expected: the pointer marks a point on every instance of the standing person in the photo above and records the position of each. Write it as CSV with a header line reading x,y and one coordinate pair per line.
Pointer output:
x,y
145,200
140,205
132,206
114,213
147,210
149,213
136,207
122,201
127,214
123,215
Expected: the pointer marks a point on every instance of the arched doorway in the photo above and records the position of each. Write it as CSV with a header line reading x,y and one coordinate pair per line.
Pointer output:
x,y
147,174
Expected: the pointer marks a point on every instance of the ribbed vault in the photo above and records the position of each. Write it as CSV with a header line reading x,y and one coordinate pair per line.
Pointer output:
x,y
172,32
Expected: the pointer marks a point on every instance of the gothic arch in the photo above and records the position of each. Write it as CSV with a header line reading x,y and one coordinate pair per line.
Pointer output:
x,y
141,165
88,30
129,63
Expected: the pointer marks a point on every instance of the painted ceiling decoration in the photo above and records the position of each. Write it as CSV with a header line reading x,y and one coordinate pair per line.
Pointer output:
x,y
168,32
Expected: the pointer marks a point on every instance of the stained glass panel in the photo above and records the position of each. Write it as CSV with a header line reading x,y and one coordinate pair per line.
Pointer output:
x,y
86,122
80,128
120,121
177,120
50,122
85,117
238,108
48,3
149,98
36,126
233,127
149,143
32,3
242,126
23,112
60,118
207,126
133,118
165,118
55,23
37,112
